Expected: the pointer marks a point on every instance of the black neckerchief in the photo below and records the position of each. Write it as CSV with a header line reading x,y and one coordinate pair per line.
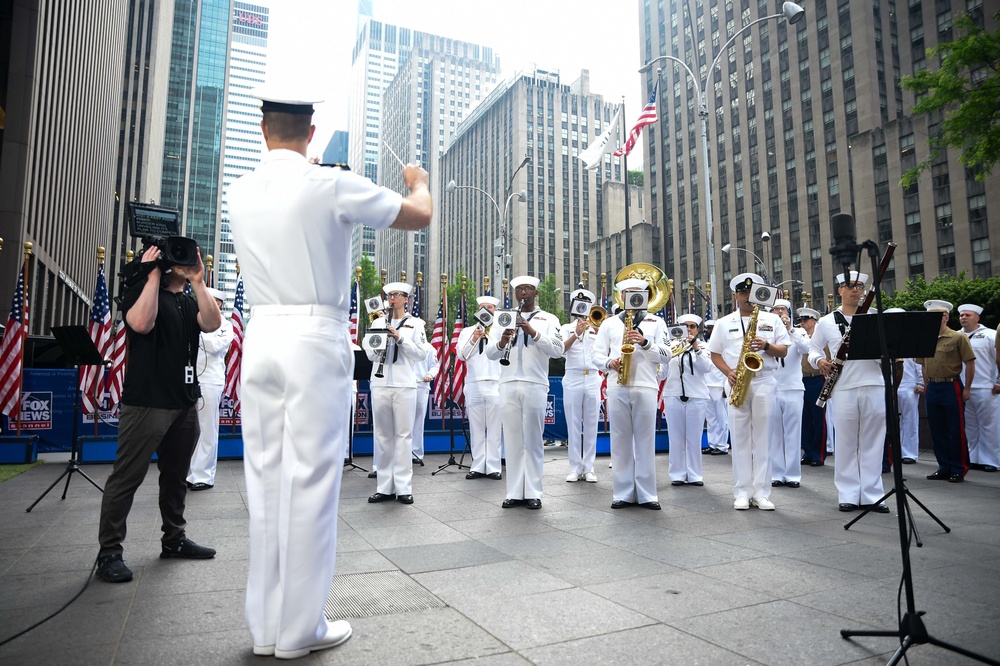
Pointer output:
x,y
690,359
841,320
395,345
528,318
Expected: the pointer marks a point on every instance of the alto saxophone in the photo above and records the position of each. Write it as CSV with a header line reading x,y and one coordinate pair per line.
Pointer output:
x,y
625,364
749,364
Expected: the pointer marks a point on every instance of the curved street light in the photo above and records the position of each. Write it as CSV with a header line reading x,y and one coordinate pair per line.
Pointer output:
x,y
790,12
501,215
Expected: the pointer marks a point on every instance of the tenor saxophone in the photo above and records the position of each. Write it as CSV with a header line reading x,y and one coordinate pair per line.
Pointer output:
x,y
749,364
625,365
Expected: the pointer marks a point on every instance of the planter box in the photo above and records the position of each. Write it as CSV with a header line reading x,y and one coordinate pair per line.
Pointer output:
x,y
18,450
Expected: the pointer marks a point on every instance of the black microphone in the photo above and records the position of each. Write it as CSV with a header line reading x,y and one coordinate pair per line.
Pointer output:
x,y
845,247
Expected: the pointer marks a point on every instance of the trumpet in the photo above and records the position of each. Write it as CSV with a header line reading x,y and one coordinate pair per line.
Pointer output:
x,y
596,316
678,347
505,360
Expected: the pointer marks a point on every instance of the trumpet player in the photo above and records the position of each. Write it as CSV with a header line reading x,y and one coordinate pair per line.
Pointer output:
x,y
482,397
524,385
750,422
581,392
685,402
632,407
394,395
786,426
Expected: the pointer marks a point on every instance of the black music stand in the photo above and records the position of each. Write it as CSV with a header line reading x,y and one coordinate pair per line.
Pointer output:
x,y
907,335
362,370
81,351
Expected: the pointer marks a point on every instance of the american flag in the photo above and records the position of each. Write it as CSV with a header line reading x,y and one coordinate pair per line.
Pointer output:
x,y
439,338
12,351
415,307
647,117
92,376
692,302
116,380
355,299
604,297
458,374
235,354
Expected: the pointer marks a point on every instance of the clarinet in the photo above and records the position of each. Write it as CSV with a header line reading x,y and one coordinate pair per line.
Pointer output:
x,y
845,345
382,354
505,360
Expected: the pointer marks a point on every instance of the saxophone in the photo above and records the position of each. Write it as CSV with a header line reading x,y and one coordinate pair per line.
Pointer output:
x,y
627,348
749,364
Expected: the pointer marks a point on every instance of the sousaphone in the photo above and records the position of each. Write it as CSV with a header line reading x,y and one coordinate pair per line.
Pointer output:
x,y
653,276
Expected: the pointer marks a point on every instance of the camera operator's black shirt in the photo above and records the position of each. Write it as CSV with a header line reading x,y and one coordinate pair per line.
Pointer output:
x,y
154,376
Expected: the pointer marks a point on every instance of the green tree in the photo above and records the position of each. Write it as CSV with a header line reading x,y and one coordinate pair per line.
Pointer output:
x,y
550,297
455,295
966,89
635,178
955,290
371,285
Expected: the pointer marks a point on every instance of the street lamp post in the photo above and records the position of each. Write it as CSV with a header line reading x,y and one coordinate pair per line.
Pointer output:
x,y
727,248
792,13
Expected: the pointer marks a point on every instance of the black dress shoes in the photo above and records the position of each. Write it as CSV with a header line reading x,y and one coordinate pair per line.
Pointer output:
x,y
655,506
621,504
847,506
200,486
534,503
909,461
382,497
405,499
677,483
989,468
508,503
792,484
939,476
956,478
697,483
494,475
418,461
816,463
877,508
718,452
777,484
474,475
372,474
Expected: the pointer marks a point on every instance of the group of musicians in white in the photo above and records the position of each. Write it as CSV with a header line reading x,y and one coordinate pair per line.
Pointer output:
x,y
693,373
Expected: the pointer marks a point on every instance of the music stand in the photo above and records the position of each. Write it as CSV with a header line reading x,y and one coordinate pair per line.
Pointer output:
x,y
81,351
907,335
362,370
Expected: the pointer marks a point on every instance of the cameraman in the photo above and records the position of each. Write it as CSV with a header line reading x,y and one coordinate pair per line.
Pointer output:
x,y
159,407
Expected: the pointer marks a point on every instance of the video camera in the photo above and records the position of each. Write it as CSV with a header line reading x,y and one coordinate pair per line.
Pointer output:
x,y
160,227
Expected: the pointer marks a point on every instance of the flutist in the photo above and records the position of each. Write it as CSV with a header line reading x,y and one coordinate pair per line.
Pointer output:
x,y
739,337
524,386
632,404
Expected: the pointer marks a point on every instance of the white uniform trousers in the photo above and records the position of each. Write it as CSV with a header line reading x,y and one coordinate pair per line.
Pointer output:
x,y
522,405
296,393
859,417
419,414
982,413
393,408
786,436
830,426
581,404
206,452
685,424
482,403
750,426
632,418
717,421
909,420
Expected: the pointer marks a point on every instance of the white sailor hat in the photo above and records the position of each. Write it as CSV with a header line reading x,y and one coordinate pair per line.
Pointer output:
x,y
488,300
807,313
935,305
709,322
631,283
582,293
892,310
969,307
743,281
217,294
853,276
397,286
781,302
524,280
686,318
278,98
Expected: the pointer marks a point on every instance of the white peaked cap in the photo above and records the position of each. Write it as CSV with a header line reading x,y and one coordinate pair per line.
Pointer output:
x,y
742,278
935,305
807,312
582,293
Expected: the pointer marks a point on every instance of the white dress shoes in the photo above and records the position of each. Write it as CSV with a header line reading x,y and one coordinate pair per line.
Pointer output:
x,y
763,503
590,477
336,633
741,504
572,477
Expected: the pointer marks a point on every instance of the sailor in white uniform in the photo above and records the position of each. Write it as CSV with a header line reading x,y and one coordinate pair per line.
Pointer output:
x,y
717,412
685,402
581,393
482,396
982,411
786,422
425,370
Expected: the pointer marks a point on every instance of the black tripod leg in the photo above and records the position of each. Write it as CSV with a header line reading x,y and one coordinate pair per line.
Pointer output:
x,y
926,510
962,651
865,512
42,496
898,654
913,525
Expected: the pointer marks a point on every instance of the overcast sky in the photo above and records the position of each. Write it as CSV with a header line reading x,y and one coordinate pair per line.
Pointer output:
x,y
314,38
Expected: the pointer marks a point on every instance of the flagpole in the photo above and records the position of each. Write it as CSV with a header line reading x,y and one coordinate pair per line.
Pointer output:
x,y
604,304
628,229
99,385
24,327
210,282
445,345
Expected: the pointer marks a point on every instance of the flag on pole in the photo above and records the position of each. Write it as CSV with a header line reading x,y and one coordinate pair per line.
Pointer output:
x,y
458,374
440,345
647,117
116,380
593,154
12,351
415,307
92,376
235,353
355,299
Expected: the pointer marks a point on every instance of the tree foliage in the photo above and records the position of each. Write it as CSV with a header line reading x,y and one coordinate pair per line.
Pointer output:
x,y
636,178
966,89
550,297
955,290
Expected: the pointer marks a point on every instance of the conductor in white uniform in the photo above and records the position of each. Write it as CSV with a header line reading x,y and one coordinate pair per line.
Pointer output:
x,y
292,223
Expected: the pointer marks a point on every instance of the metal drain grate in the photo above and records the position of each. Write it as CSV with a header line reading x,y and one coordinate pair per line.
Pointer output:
x,y
377,593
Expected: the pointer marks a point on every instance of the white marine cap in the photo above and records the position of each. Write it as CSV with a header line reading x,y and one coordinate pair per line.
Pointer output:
x,y
284,98
783,302
217,294
524,280
892,310
397,286
631,283
935,305
582,293
743,281
692,318
488,300
969,307
854,276
807,312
